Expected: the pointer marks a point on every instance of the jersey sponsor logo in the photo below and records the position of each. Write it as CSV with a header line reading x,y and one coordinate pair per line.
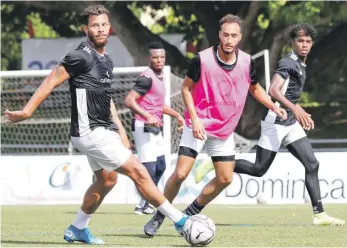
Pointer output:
x,y
225,88
105,80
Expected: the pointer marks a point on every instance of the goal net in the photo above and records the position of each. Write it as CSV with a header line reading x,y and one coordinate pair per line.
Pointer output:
x,y
47,132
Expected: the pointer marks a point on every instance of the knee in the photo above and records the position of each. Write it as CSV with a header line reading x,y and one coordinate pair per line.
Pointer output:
x,y
259,172
112,179
313,167
224,180
179,176
107,179
260,168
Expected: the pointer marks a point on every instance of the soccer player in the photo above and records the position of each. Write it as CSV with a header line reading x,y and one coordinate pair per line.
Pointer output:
x,y
286,87
147,101
214,92
95,127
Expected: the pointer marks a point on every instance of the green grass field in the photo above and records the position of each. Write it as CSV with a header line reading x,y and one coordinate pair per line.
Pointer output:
x,y
255,226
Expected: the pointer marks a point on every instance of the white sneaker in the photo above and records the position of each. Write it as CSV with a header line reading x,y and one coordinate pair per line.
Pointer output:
x,y
323,219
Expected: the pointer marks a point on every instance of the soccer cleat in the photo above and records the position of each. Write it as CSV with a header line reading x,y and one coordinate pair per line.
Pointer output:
x,y
323,219
153,225
203,169
180,224
147,209
81,235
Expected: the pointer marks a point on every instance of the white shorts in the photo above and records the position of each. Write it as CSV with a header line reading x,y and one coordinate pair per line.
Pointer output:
x,y
148,145
273,135
103,148
214,146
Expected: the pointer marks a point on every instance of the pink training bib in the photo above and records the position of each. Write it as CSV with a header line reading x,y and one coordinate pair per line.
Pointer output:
x,y
220,95
153,101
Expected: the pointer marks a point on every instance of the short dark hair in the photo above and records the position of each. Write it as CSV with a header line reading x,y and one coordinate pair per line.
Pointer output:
x,y
156,45
229,18
303,29
94,10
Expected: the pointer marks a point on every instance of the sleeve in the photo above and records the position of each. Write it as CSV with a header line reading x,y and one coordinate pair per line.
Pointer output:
x,y
284,67
194,68
76,62
142,85
254,78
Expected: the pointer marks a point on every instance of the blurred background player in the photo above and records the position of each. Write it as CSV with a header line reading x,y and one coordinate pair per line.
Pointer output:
x,y
214,92
286,87
95,127
147,101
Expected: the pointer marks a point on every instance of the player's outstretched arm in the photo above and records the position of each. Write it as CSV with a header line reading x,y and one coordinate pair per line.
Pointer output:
x,y
260,95
121,130
131,102
198,127
58,76
173,113
276,92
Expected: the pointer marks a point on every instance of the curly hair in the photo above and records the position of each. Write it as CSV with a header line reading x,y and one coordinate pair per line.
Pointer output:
x,y
94,10
303,29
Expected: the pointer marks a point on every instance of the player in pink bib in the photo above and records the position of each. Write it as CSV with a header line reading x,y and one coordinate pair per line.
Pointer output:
x,y
214,93
147,101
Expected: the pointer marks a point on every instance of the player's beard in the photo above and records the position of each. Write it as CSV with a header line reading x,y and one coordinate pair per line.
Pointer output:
x,y
225,51
156,70
96,43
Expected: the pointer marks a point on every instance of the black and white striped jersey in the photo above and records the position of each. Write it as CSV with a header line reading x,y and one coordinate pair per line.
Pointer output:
x,y
293,71
90,89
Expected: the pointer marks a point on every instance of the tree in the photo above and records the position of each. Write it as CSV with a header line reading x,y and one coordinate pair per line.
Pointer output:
x,y
266,26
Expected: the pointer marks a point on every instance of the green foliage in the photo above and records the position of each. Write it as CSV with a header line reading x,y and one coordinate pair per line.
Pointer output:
x,y
174,20
42,30
14,30
330,84
263,22
175,17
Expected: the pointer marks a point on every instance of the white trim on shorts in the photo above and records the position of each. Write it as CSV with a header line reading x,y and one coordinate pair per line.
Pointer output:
x,y
148,145
214,146
273,135
103,148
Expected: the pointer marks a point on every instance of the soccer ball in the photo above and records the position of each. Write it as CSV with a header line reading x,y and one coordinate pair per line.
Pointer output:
x,y
199,230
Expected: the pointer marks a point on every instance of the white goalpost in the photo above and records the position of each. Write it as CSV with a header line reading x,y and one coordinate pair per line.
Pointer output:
x,y
47,132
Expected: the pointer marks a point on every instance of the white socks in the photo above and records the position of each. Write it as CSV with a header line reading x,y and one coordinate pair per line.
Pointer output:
x,y
82,219
170,211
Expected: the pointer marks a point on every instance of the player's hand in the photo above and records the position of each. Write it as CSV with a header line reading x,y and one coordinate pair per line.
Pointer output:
x,y
180,123
280,112
152,121
303,118
15,116
198,129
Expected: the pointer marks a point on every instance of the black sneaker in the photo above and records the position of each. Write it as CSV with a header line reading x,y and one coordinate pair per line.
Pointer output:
x,y
153,225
